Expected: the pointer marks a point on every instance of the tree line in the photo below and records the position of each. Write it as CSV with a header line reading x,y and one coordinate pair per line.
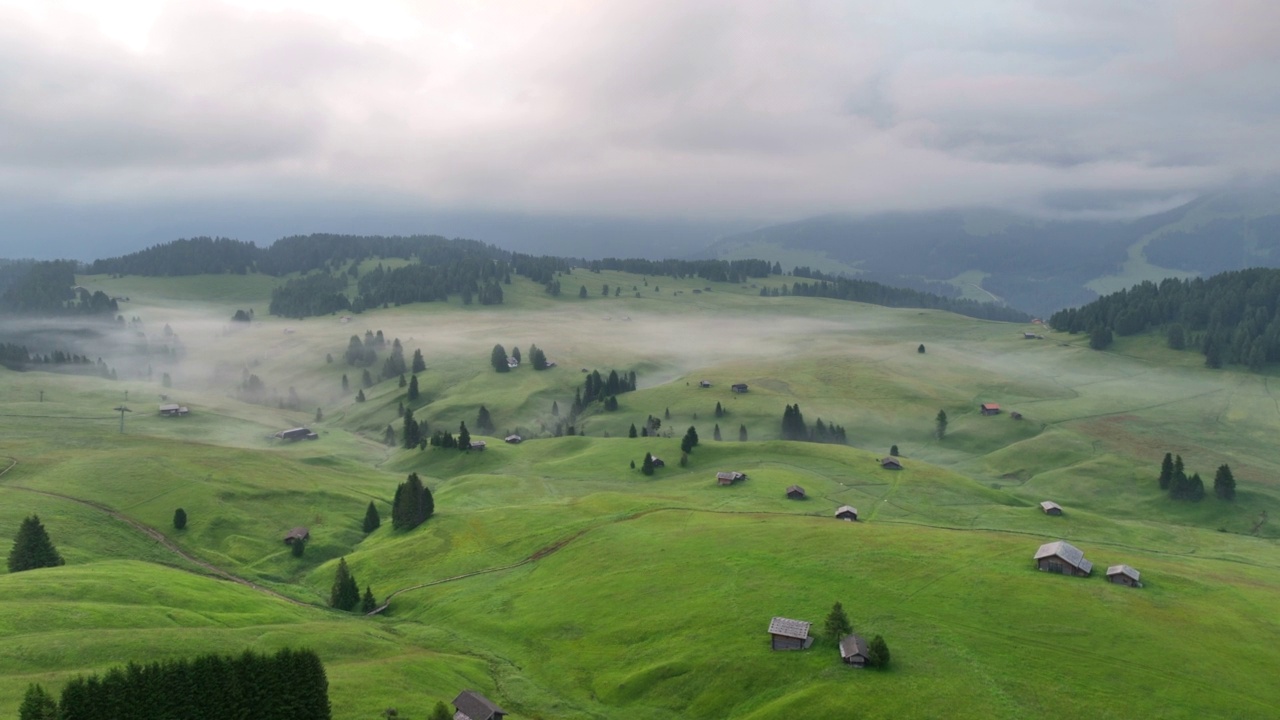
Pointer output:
x,y
287,684
794,427
1232,318
1174,480
48,288
842,288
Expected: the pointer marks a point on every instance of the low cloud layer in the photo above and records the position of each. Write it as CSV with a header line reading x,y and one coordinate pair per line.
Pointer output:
x,y
715,110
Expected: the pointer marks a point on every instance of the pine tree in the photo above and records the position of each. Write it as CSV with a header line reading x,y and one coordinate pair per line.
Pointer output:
x,y
1224,483
413,504
555,409
484,423
647,466
632,432
37,704
419,365
742,433
920,349
346,384
716,433
368,603
1195,488
298,547
32,548
667,415
389,437
412,432
498,359
690,440
179,519
464,437
583,292
402,382
837,624
940,425
441,712
878,653
1179,485
893,451
366,378
360,396
345,593
719,410
372,520
1166,471
413,388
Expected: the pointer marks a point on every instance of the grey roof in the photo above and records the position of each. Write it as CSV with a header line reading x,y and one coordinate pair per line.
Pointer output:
x,y
787,627
298,532
890,461
1069,553
1050,505
1122,570
172,407
729,476
851,645
476,706
795,488
848,508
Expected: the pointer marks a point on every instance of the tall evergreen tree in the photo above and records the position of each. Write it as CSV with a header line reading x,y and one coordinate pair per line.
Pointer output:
x,y
389,437
37,704
484,422
372,520
742,433
878,653
345,593
582,293
32,548
464,437
690,440
412,433
837,624
360,396
366,378
413,504
413,388
1224,483
440,712
719,410
1195,488
647,466
368,603
179,519
498,359
1179,485
940,425
1166,471
346,384
419,364
716,433
632,432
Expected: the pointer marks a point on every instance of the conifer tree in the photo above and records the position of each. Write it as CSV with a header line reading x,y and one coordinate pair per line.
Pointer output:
x,y
345,593
37,704
690,440
878,653
484,422
632,432
582,293
719,410
837,624
360,396
1224,483
372,520
647,466
412,433
419,365
1195,488
179,519
389,437
402,381
441,712
413,388
346,384
1166,471
32,548
368,603
742,433
893,451
366,378
515,354
940,425
1179,485
498,359
413,504
464,437
920,349
555,409
716,434
298,547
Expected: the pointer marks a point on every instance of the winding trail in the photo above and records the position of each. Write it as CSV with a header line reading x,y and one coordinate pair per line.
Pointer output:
x,y
157,536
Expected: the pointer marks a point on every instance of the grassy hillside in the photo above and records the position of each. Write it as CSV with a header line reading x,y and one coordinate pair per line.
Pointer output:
x,y
564,584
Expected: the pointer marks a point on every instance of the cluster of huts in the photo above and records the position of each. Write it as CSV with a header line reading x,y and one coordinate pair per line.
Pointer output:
x,y
173,410
788,634
1062,557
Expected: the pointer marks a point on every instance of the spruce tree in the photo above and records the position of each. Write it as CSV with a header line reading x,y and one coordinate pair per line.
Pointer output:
x,y
32,548
372,520
719,410
412,433
346,384
690,440
389,437
345,593
366,378
742,433
893,451
632,432
419,365
920,349
179,519
1224,483
498,359
940,425
441,712
716,433
413,388
837,624
1195,488
1178,484
368,603
298,547
484,422
464,437
360,396
878,653
1166,471
37,704
647,466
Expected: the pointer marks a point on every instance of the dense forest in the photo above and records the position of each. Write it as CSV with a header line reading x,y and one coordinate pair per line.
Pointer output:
x,y
1231,318
49,288
841,288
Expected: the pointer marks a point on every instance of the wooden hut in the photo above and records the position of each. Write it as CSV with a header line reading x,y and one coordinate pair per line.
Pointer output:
x,y
853,651
795,492
513,439
989,408
298,433
788,634
1123,575
1063,557
298,534
738,387
173,410
477,445
471,705
891,463
704,383
729,478
1051,508
847,512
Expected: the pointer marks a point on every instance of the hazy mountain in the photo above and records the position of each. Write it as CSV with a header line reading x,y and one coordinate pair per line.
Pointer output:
x,y
1037,265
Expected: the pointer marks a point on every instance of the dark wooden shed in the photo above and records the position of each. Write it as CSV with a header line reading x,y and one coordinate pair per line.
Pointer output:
x,y
1123,575
847,512
299,433
471,705
738,387
729,478
795,492
788,634
989,408
296,534
1063,557
891,463
1051,508
853,651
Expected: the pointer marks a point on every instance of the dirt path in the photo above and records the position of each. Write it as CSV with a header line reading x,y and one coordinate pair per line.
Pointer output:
x,y
158,536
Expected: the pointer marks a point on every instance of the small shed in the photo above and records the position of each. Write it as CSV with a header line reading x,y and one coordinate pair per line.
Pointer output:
x,y
788,634
729,478
704,383
1123,575
795,492
847,512
1051,508
853,651
477,445
738,387
298,433
990,408
471,705
891,463
1063,557
298,534
173,410
1015,415
513,439
1029,336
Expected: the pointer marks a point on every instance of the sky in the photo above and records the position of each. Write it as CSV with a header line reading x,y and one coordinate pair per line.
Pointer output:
x,y
137,120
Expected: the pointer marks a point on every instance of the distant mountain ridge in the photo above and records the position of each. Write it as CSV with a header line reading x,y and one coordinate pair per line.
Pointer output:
x,y
1034,264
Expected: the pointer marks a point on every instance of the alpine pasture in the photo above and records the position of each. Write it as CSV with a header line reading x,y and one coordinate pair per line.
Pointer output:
x,y
562,583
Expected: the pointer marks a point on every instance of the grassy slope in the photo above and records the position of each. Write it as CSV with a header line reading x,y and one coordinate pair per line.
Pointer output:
x,y
656,604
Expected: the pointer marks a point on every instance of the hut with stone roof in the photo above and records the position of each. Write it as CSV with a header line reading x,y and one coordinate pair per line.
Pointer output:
x,y
788,634
847,512
1062,557
1051,508
853,651
1123,575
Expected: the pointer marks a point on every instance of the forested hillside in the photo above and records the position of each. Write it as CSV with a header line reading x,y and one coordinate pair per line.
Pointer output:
x,y
49,289
870,292
1231,318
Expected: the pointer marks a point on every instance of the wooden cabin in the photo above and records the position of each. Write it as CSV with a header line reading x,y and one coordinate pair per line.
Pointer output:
x,y
795,492
788,634
990,408
1123,575
477,445
891,463
1015,415
1051,508
738,387
299,433
173,410
853,651
471,705
729,478
1063,557
513,439
297,534
704,383
847,512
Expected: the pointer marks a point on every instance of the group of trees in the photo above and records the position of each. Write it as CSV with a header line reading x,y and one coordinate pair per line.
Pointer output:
x,y
1174,480
841,288
794,427
32,547
18,357
412,505
1231,318
48,288
837,626
287,684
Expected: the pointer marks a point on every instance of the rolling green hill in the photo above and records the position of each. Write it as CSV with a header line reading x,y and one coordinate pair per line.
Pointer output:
x,y
562,583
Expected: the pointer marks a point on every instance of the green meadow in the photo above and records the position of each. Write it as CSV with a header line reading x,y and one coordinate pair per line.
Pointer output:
x,y
562,583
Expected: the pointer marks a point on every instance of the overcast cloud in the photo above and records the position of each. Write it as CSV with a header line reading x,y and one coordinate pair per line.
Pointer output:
x,y
705,110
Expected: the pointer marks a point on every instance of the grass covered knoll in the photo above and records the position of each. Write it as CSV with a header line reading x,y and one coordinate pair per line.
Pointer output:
x,y
634,597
